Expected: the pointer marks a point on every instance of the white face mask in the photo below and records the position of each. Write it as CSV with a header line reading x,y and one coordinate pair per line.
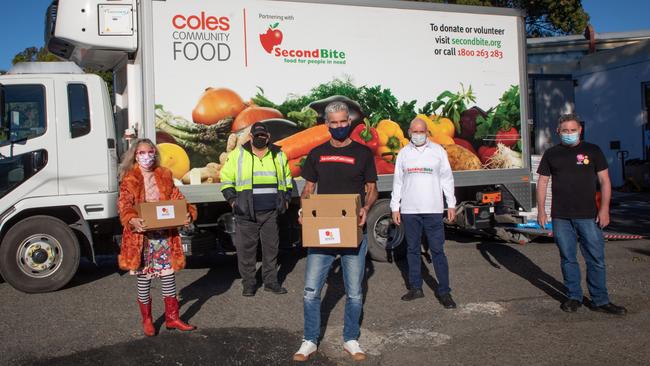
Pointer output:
x,y
418,139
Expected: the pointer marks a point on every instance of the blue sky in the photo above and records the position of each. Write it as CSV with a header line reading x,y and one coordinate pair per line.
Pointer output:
x,y
22,22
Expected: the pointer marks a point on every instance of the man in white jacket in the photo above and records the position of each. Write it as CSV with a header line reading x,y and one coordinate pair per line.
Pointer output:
x,y
422,176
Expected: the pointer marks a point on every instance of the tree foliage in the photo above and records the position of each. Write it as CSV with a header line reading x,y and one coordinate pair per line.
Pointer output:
x,y
543,17
34,54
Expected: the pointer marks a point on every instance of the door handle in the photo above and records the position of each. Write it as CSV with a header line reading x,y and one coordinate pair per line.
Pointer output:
x,y
39,160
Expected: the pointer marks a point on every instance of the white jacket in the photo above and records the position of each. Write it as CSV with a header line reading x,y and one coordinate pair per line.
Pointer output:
x,y
422,175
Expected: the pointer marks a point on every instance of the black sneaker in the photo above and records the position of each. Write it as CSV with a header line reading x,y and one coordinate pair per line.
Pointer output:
x,y
570,306
447,301
248,291
414,293
276,289
610,309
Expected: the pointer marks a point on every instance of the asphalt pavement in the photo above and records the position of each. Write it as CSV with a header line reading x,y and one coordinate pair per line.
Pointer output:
x,y
508,312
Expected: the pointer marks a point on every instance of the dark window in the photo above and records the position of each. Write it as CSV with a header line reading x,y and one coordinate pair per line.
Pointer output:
x,y
17,169
24,113
78,111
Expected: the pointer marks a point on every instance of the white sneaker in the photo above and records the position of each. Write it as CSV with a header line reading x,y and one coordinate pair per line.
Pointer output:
x,y
353,348
307,348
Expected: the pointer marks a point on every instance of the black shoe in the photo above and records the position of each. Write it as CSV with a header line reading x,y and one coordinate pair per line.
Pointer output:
x,y
570,306
611,309
447,301
276,289
248,291
414,293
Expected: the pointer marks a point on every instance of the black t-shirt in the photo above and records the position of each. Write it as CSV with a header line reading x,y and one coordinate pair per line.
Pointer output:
x,y
573,171
340,170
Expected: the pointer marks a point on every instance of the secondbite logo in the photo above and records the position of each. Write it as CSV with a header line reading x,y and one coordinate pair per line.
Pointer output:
x,y
273,37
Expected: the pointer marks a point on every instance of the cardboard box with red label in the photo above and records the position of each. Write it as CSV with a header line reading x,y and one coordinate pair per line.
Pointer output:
x,y
163,214
331,221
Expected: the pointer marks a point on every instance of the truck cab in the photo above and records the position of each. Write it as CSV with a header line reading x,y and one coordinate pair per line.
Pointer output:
x,y
56,184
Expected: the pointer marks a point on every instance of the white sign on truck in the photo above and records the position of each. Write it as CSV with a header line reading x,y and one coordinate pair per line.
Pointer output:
x,y
287,49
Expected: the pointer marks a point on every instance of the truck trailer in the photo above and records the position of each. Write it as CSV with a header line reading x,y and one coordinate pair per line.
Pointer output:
x,y
193,75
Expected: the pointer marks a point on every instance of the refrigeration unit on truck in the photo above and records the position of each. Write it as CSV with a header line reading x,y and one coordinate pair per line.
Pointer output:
x,y
193,75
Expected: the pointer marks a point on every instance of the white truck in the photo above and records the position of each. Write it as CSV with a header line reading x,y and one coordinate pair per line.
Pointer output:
x,y
62,131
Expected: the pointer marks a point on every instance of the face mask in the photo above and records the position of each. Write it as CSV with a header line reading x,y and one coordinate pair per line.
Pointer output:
x,y
145,161
418,139
570,138
260,142
340,133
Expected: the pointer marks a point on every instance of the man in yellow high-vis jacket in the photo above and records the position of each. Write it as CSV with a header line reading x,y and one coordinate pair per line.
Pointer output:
x,y
256,181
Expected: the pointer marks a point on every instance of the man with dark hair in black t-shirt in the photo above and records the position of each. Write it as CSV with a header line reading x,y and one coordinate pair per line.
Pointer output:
x,y
338,166
576,168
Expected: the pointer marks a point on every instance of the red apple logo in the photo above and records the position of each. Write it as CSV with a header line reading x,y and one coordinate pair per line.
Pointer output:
x,y
272,38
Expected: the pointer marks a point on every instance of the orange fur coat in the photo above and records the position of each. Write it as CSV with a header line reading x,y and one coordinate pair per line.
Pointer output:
x,y
132,193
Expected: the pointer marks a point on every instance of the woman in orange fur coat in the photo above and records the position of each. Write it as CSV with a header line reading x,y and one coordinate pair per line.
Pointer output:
x,y
150,254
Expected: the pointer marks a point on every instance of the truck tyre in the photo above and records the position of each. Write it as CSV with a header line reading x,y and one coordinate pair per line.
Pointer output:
x,y
39,254
384,237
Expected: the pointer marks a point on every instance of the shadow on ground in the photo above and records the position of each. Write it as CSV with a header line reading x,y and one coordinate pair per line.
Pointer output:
x,y
499,255
226,346
104,266
630,213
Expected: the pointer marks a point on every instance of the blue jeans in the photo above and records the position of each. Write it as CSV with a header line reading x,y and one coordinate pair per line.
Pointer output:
x,y
567,233
434,231
353,265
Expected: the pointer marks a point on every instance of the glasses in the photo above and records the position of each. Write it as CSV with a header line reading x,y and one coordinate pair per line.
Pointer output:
x,y
149,153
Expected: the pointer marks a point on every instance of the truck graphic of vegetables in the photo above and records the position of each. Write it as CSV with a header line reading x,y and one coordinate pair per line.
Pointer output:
x,y
474,137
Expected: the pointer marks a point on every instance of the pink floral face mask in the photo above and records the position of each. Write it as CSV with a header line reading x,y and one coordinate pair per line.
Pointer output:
x,y
145,159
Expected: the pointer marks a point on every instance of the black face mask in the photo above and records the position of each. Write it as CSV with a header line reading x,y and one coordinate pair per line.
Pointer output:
x,y
260,142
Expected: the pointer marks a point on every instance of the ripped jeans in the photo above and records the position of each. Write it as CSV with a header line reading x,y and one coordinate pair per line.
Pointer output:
x,y
353,265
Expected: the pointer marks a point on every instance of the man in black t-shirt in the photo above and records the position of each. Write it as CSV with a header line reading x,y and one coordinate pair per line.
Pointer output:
x,y
576,168
337,166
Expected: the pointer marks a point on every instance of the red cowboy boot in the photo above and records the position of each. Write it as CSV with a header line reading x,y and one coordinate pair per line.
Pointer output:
x,y
147,321
171,315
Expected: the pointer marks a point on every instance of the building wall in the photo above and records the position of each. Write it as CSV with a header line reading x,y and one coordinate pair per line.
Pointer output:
x,y
608,98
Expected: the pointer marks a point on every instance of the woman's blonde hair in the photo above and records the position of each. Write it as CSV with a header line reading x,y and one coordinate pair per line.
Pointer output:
x,y
128,159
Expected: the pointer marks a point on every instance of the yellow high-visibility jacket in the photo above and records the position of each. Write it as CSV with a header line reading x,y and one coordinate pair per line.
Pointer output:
x,y
240,173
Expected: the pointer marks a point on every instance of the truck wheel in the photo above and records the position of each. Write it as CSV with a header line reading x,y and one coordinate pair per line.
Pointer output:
x,y
39,254
384,237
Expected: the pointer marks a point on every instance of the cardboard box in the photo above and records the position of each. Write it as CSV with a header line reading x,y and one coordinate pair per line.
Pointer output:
x,y
331,221
163,214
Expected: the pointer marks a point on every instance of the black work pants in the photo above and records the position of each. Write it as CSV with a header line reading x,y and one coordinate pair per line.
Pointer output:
x,y
247,234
